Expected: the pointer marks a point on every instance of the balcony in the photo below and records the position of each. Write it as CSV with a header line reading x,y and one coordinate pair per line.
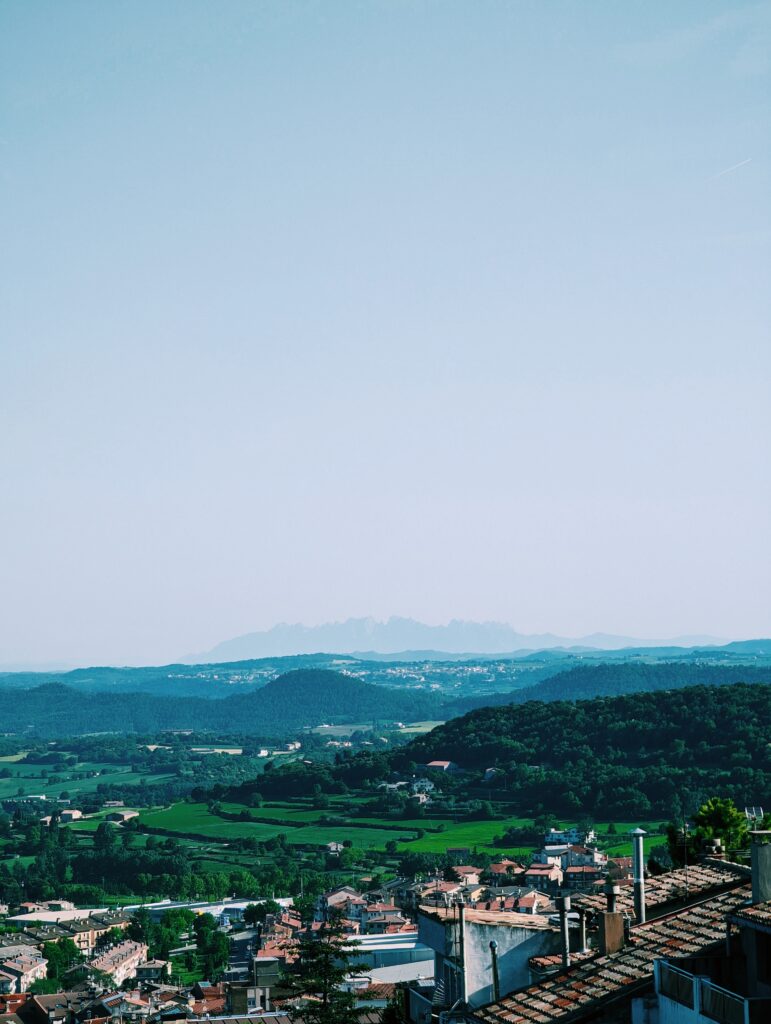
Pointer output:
x,y
698,1000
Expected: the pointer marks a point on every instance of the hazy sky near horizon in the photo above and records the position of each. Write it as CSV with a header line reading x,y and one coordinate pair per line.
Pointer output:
x,y
438,309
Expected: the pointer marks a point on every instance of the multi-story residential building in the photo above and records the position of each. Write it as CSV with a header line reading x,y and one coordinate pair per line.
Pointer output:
x,y
121,961
153,970
569,836
467,874
546,877
23,970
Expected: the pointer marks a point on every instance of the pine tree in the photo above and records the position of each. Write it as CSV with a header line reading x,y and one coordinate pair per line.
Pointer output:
x,y
326,959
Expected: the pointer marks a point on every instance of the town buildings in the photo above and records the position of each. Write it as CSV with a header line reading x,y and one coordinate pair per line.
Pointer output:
x,y
120,962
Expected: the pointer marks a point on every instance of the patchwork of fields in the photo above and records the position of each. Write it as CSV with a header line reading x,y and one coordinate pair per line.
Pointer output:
x,y
84,778
304,826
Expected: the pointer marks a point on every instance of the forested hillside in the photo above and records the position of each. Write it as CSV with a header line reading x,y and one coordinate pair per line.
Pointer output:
x,y
309,697
635,754
609,680
294,700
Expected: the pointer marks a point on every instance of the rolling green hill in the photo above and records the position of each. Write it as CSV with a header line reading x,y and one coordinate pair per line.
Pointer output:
x,y
638,753
610,680
286,704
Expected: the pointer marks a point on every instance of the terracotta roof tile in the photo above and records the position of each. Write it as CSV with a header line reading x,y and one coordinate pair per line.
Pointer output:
x,y
600,978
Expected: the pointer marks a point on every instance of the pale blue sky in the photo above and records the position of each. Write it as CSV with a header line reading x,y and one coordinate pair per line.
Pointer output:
x,y
311,310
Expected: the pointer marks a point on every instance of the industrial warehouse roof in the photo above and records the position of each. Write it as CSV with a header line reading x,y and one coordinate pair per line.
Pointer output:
x,y
667,888
582,989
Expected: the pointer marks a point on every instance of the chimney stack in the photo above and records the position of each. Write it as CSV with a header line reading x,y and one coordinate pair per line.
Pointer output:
x,y
639,873
761,866
611,937
612,892
462,947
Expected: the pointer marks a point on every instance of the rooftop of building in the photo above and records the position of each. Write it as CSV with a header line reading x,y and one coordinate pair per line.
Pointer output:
x,y
589,985
757,914
505,918
667,888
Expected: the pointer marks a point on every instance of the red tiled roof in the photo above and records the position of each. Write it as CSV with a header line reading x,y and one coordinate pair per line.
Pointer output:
x,y
380,990
531,899
662,889
555,959
758,914
503,866
591,983
441,887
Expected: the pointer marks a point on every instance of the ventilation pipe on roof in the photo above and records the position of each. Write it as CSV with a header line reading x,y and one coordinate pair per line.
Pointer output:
x,y
496,980
563,906
462,948
639,874
761,866
582,918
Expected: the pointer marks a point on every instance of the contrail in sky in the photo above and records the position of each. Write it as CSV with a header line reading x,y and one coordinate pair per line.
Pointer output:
x,y
734,168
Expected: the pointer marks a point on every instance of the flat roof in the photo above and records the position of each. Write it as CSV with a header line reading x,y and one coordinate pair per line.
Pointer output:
x,y
52,916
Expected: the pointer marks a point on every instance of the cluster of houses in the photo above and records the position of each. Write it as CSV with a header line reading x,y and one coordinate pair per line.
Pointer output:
x,y
21,952
572,936
32,804
419,790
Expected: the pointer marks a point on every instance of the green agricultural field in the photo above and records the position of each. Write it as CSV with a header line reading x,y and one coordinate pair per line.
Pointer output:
x,y
468,834
361,838
290,812
418,728
334,732
624,848
17,859
30,777
224,864
197,820
623,828
427,824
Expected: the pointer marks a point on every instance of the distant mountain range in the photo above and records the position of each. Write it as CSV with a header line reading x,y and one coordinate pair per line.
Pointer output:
x,y
398,635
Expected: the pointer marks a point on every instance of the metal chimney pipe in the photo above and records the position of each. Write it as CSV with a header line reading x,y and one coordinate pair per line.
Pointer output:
x,y
563,906
582,917
638,835
496,980
462,948
760,851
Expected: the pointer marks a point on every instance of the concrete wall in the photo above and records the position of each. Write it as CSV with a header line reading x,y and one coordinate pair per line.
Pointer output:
x,y
515,947
671,1012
